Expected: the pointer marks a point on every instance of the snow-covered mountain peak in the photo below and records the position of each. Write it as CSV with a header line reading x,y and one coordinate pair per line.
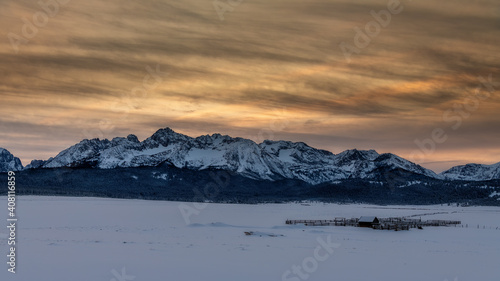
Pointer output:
x,y
474,172
215,139
73,156
132,138
167,136
297,153
356,155
396,162
8,162
118,141
274,147
129,142
35,164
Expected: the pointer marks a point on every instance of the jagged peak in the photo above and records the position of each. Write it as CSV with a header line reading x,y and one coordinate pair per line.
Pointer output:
x,y
385,156
167,136
272,146
5,152
121,140
356,154
215,139
214,136
475,165
472,171
461,167
166,132
93,141
390,157
285,144
133,138
35,164
271,142
8,162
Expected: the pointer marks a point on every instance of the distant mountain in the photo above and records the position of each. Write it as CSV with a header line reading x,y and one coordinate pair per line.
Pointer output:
x,y
8,162
219,168
270,160
473,172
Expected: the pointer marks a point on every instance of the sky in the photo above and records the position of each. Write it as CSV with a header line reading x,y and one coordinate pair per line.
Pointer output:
x,y
419,79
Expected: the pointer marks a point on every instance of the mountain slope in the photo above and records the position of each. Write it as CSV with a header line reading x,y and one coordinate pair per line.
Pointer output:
x,y
8,162
473,172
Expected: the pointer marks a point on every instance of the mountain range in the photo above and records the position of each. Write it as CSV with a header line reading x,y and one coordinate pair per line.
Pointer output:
x,y
269,160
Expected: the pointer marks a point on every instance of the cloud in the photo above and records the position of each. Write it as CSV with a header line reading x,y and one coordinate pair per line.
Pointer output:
x,y
75,77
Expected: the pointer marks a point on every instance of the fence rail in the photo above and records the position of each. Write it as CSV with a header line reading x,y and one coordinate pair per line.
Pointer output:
x,y
393,223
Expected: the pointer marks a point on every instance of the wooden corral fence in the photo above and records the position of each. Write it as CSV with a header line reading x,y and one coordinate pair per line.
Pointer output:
x,y
335,222
393,223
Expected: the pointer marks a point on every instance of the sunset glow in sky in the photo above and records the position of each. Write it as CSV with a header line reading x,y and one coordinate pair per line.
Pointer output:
x,y
270,69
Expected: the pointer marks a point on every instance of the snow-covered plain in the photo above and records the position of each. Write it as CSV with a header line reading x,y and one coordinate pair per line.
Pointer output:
x,y
94,239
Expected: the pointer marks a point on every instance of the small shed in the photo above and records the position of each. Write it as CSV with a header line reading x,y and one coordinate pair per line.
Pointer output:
x,y
366,221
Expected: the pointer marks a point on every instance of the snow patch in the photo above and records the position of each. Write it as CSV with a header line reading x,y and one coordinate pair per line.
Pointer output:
x,y
160,176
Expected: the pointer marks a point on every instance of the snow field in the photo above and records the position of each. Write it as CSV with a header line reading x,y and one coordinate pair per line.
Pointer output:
x,y
91,239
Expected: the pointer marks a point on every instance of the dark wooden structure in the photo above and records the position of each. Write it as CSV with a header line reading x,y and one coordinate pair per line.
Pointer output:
x,y
368,221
